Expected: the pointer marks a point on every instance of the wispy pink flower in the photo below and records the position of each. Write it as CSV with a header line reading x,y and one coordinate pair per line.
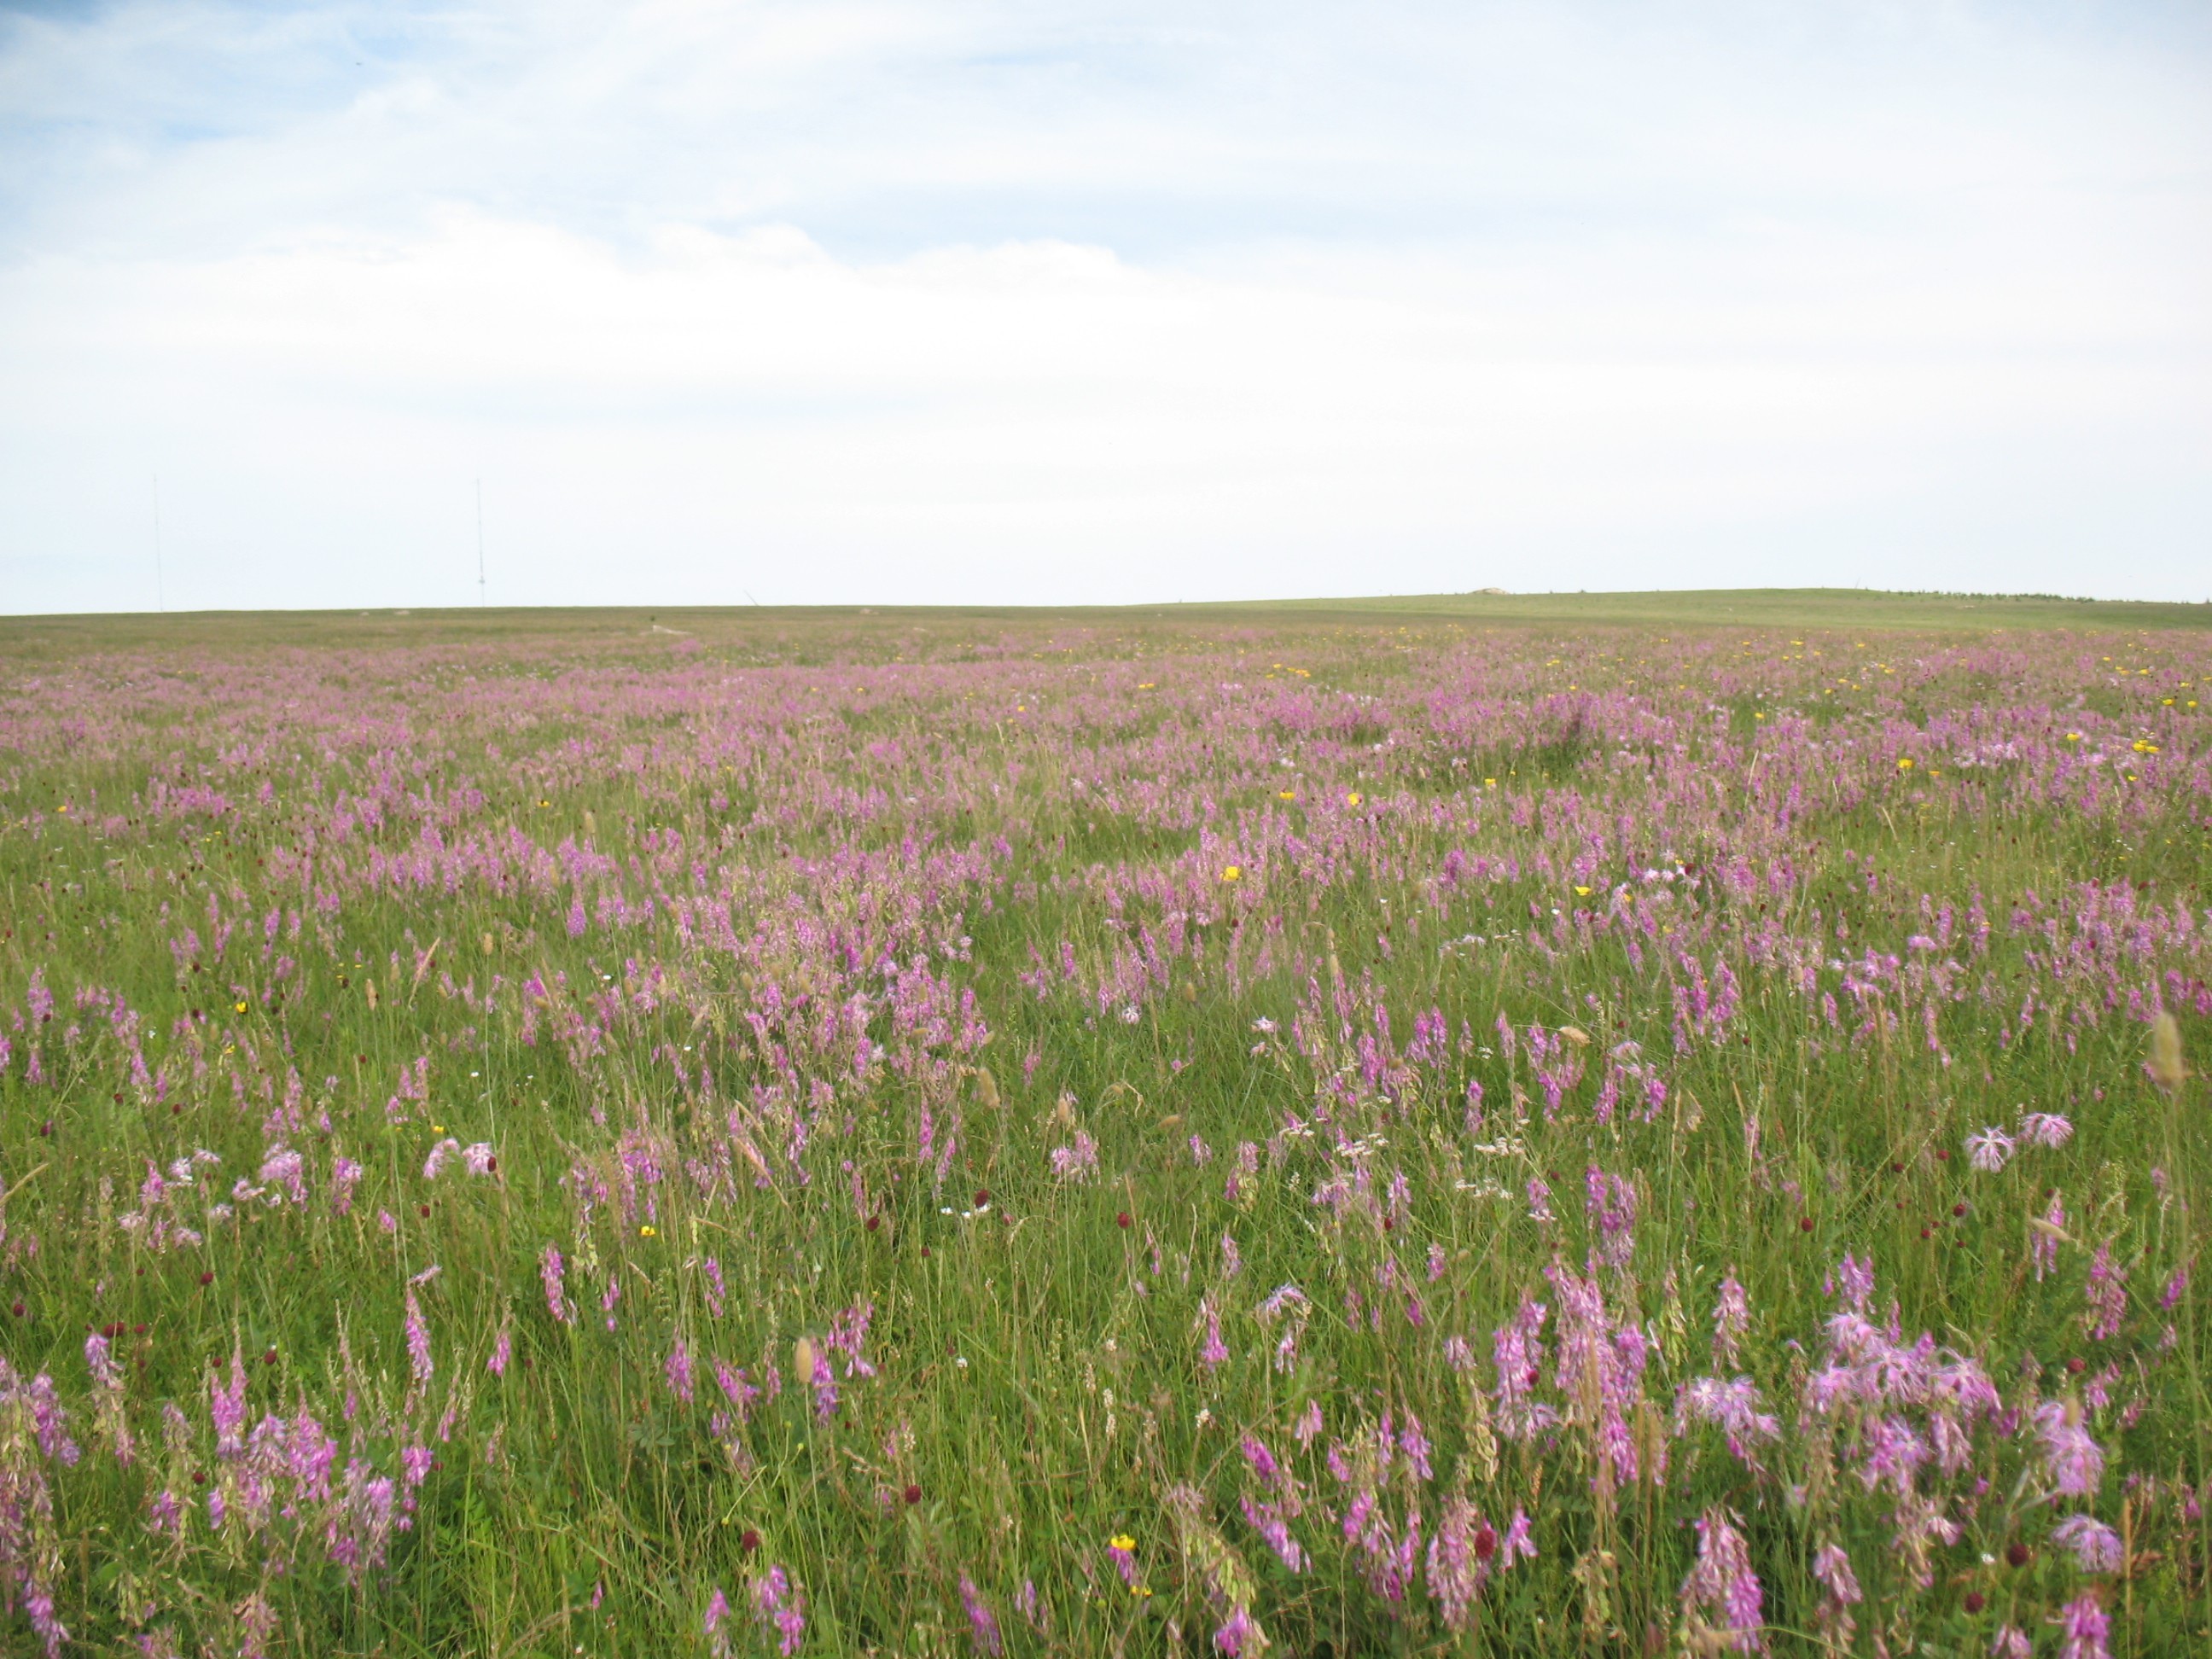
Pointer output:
x,y
2096,1547
1990,1151
1731,1320
1077,1162
2073,1460
2106,1295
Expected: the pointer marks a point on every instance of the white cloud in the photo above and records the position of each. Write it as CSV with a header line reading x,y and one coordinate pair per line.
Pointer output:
x,y
729,299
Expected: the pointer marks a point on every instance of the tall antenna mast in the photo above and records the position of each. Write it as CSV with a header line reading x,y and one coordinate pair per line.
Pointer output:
x,y
480,558
160,602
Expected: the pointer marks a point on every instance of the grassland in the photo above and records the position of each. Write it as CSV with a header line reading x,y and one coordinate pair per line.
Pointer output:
x,y
1564,1125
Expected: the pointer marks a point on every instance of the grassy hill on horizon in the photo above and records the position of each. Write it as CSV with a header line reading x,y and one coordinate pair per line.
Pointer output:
x,y
1758,607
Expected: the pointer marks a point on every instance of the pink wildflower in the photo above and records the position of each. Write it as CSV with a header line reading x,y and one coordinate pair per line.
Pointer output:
x,y
2085,1628
2096,1547
1722,1589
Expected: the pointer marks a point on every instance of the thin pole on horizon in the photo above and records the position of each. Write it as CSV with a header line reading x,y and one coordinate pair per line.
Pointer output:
x,y
161,599
480,557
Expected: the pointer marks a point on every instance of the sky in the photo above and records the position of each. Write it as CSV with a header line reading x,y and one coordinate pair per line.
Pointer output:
x,y
882,301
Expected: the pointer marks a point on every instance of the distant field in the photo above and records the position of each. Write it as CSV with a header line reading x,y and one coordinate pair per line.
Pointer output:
x,y
1796,608
1585,1126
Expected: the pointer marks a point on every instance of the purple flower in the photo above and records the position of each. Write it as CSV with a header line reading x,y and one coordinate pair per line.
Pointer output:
x,y
281,1166
1855,1282
2045,1129
1078,1161
2106,1296
1121,1550
1539,1201
1274,1527
1519,1353
418,1342
345,1174
1517,1544
824,1382
1413,1448
1722,1590
1214,1351
2044,1236
1732,1408
983,1625
1611,1204
718,1614
2074,1461
2084,1627
1459,1566
678,1370
1261,1460
556,1298
227,1410
2096,1547
782,1608
1731,1319
1832,1568
1237,1630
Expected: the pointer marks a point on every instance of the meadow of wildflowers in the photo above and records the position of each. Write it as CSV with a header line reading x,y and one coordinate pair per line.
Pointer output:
x,y
927,1134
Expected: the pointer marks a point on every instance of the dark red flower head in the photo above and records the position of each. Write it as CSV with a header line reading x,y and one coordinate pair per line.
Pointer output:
x,y
1486,1542
1122,1219
912,1494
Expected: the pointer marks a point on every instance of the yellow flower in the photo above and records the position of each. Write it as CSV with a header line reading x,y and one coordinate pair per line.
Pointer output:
x,y
1490,783
1286,794
238,1007
1232,872
2073,736
647,1232
1121,1541
1352,800
437,1128
1582,892
1145,685
1905,763
2144,746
